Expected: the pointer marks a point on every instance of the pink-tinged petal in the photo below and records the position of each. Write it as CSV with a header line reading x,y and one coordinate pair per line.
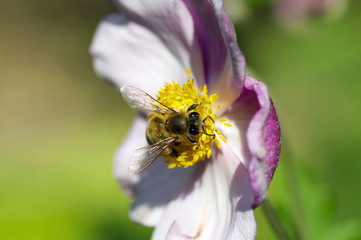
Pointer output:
x,y
237,58
224,63
264,141
255,135
232,79
216,203
147,47
209,37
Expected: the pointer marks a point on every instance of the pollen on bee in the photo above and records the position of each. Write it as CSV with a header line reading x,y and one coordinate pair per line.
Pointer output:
x,y
204,137
172,165
150,115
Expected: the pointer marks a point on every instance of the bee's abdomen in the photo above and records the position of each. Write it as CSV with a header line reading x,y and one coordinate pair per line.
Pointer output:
x,y
155,130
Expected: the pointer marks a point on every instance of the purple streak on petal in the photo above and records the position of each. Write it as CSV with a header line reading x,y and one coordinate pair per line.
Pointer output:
x,y
263,137
229,82
226,26
216,36
209,37
273,143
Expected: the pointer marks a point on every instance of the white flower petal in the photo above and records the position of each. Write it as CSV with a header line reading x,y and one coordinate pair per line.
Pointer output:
x,y
147,50
239,114
230,83
175,233
264,141
149,188
158,186
219,205
255,135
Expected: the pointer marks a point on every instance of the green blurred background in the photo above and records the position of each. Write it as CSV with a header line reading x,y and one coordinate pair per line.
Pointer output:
x,y
60,124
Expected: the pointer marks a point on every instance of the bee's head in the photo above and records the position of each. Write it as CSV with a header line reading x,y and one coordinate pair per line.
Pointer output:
x,y
194,123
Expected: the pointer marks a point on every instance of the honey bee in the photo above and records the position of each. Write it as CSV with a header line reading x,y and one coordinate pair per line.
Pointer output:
x,y
166,128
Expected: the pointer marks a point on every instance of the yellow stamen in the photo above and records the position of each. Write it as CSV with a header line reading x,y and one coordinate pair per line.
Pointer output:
x,y
209,153
218,143
223,138
228,124
180,98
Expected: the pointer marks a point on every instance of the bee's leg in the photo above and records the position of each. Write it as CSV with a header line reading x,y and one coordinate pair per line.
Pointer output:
x,y
208,134
167,151
193,141
192,107
209,118
174,153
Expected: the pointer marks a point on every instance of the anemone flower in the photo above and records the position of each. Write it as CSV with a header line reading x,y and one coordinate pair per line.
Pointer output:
x,y
210,193
293,12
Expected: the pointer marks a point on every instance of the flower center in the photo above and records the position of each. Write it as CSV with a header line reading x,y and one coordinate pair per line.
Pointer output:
x,y
183,99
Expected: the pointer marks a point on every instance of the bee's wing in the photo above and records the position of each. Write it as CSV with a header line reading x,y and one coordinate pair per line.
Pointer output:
x,y
140,100
144,157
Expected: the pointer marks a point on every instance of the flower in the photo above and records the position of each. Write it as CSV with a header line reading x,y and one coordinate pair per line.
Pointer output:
x,y
149,43
296,12
184,98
